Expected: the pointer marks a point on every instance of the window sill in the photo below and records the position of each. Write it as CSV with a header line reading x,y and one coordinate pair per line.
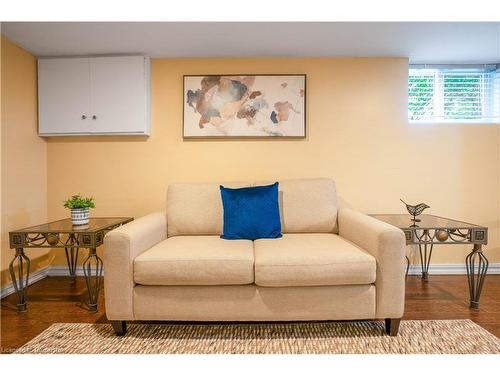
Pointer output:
x,y
458,122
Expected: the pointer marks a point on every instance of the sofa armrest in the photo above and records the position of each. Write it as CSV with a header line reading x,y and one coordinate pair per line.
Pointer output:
x,y
387,244
122,246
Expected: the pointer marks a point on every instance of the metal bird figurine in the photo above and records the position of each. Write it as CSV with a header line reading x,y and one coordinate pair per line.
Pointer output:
x,y
415,210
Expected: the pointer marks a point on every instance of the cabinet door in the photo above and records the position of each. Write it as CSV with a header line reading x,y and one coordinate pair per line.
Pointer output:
x,y
63,96
119,96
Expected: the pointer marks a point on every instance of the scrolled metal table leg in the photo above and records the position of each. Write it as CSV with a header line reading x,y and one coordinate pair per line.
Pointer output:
x,y
425,259
72,260
407,266
93,280
20,282
476,279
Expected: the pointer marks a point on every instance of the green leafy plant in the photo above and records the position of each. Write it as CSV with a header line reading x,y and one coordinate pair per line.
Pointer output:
x,y
77,201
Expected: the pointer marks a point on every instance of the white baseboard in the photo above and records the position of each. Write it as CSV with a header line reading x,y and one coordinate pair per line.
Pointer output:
x,y
63,271
434,269
450,269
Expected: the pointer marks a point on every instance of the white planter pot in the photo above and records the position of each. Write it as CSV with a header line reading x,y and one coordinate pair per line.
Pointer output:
x,y
80,216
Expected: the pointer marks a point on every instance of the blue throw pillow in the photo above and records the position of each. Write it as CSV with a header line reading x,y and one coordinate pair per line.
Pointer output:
x,y
251,212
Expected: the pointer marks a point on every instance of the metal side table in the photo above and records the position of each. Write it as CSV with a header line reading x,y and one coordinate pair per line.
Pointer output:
x,y
432,230
62,234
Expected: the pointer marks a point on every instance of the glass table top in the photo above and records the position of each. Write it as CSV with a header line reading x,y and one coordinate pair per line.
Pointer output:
x,y
65,226
427,221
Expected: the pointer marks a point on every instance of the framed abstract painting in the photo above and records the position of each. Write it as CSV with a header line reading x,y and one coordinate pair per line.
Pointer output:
x,y
245,106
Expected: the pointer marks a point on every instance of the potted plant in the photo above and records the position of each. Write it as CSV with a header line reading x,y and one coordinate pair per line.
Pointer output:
x,y
79,207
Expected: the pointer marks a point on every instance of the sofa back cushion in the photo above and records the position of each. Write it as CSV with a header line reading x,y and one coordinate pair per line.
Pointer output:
x,y
196,209
308,206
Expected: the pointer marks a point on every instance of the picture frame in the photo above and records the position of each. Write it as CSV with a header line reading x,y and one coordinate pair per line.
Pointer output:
x,y
244,106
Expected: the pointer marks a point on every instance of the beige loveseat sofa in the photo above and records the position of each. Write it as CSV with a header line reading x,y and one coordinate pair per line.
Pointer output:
x,y
330,264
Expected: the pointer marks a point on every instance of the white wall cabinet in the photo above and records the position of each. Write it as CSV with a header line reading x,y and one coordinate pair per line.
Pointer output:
x,y
94,95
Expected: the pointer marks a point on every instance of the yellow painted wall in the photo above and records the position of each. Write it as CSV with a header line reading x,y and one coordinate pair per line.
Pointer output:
x,y
23,154
358,134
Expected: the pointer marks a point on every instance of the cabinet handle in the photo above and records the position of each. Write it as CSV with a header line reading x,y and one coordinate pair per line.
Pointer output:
x,y
84,117
94,117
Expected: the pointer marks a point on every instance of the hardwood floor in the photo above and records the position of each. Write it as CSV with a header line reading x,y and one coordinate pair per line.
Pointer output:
x,y
55,300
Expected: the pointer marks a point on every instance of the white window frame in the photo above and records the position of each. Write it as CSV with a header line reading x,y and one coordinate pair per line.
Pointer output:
x,y
438,95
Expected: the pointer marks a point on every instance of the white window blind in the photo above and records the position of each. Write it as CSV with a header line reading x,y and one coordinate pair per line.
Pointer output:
x,y
454,93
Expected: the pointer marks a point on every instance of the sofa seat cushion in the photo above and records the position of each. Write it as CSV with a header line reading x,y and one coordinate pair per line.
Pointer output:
x,y
311,260
196,260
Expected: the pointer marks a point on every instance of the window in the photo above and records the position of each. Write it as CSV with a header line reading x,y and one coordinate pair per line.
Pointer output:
x,y
454,94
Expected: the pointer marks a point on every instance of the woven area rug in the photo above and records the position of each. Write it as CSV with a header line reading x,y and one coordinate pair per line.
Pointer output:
x,y
415,336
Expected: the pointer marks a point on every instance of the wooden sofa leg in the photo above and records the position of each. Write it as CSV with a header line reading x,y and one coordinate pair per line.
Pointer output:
x,y
392,326
120,327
